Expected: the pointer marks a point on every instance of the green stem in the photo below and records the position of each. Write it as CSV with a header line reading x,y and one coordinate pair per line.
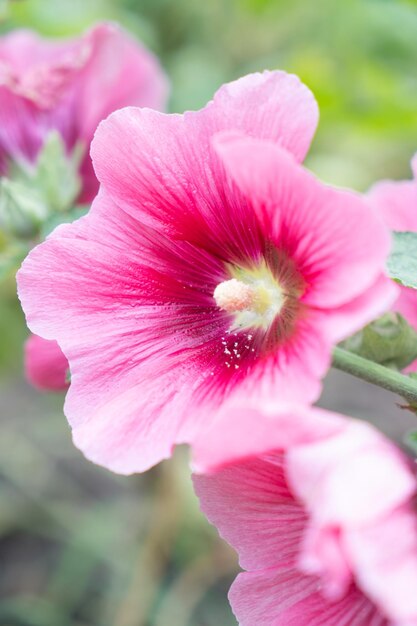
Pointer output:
x,y
375,373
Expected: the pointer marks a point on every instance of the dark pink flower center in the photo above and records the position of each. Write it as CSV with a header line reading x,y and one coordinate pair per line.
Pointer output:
x,y
259,305
262,298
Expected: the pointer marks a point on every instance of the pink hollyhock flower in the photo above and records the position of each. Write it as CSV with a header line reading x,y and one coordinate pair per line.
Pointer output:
x,y
70,86
211,264
324,521
397,202
45,366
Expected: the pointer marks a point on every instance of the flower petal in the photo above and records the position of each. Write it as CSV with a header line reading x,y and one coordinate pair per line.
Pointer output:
x,y
325,231
147,161
328,476
397,202
341,322
284,597
267,523
45,366
385,558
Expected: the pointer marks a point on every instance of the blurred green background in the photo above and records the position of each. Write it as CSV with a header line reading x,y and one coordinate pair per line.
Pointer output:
x,y
78,545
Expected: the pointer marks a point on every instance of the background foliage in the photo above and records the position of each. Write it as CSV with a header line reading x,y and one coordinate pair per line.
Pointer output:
x,y
78,545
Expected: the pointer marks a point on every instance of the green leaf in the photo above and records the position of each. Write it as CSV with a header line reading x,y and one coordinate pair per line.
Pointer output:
x,y
34,199
56,174
389,340
402,262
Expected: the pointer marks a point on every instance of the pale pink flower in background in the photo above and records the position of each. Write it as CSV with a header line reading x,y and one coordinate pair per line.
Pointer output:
x,y
397,203
211,264
324,521
46,368
70,86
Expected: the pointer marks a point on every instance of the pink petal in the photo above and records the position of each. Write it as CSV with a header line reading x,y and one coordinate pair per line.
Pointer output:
x,y
283,597
385,559
268,105
343,321
397,203
328,476
147,424
322,555
273,105
120,71
45,366
266,523
313,223
20,133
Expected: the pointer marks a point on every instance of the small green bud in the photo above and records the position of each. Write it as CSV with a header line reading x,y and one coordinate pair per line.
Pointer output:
x,y
389,340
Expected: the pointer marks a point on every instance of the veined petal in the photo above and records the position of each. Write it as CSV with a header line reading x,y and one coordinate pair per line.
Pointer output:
x,y
163,173
283,597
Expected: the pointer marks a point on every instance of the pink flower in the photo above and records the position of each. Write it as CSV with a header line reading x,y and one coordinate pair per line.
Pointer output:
x,y
70,86
211,264
324,522
45,366
397,203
